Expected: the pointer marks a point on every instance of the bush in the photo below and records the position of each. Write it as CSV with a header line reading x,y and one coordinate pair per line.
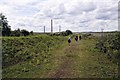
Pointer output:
x,y
20,49
25,32
110,44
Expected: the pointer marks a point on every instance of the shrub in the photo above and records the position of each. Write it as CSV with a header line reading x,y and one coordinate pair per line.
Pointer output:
x,y
110,44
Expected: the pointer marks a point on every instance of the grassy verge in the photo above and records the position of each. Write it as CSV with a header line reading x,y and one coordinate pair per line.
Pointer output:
x,y
80,60
90,63
28,56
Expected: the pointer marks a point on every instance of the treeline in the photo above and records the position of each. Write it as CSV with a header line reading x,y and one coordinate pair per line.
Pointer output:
x,y
6,29
19,32
110,45
64,33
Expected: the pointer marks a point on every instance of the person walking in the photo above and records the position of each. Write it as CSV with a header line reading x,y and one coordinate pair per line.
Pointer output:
x,y
76,38
80,37
69,41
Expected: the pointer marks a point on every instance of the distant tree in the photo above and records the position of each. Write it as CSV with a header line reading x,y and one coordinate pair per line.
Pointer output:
x,y
4,27
16,33
12,33
68,32
31,32
25,32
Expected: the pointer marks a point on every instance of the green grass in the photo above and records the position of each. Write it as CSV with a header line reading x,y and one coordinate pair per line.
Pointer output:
x,y
92,64
25,54
82,59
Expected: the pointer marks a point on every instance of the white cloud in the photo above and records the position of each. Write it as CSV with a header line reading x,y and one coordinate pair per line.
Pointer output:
x,y
76,15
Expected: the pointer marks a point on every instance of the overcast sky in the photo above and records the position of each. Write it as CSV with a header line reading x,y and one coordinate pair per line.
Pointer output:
x,y
75,15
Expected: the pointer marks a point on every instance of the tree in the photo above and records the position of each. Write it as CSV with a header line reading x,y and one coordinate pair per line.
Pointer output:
x,y
16,33
4,27
68,32
31,32
25,32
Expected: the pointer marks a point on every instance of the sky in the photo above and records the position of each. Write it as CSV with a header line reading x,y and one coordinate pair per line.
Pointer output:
x,y
74,15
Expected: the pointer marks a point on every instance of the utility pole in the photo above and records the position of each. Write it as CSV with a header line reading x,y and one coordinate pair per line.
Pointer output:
x,y
44,29
51,26
59,28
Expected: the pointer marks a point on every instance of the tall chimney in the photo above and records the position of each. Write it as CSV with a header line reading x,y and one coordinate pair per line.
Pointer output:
x,y
51,26
59,28
44,29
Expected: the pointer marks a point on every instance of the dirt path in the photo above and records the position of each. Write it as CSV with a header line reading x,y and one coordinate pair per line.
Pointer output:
x,y
82,61
65,69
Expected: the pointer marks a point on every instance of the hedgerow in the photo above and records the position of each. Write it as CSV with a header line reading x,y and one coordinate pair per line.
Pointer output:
x,y
110,45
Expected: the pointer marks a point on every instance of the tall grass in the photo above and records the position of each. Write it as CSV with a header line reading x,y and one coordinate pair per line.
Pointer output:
x,y
32,48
